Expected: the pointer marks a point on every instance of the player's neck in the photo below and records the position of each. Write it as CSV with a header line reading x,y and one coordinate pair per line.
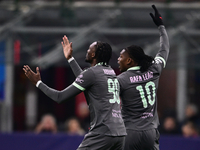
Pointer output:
x,y
93,63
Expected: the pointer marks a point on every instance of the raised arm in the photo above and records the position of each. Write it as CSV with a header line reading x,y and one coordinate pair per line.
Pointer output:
x,y
164,44
75,66
163,52
67,49
57,96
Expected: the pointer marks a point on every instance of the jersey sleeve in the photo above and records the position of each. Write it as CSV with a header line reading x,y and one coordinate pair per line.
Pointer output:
x,y
59,96
162,55
84,80
75,67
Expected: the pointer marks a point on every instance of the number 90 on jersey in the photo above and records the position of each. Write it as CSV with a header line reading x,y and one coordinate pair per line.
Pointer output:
x,y
113,87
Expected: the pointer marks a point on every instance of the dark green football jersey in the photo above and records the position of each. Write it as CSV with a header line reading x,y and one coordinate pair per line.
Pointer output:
x,y
138,90
101,89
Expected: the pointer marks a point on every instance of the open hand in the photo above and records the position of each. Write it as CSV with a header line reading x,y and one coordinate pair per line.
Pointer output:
x,y
33,77
67,47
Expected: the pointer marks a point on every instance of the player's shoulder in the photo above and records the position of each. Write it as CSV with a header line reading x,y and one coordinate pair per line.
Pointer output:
x,y
122,76
87,71
157,66
103,69
95,69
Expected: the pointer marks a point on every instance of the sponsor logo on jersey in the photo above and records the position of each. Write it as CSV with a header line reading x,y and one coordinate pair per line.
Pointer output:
x,y
116,114
147,114
78,79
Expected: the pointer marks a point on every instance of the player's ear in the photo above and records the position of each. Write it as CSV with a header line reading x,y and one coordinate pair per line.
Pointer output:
x,y
93,54
129,61
93,51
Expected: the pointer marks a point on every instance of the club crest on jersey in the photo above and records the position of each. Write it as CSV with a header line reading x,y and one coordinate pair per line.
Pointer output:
x,y
78,79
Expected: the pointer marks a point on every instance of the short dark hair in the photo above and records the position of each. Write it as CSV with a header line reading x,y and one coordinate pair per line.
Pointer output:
x,y
138,55
103,52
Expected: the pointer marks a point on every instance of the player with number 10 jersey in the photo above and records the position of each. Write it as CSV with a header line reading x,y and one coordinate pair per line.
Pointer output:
x,y
138,94
138,87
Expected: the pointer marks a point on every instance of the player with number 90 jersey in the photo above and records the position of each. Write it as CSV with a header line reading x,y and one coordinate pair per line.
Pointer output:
x,y
101,89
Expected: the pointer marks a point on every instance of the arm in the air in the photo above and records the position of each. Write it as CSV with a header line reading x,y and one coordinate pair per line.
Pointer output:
x,y
74,66
164,45
163,52
59,96
67,49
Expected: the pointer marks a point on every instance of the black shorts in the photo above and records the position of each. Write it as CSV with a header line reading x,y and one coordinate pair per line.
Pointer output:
x,y
94,141
142,140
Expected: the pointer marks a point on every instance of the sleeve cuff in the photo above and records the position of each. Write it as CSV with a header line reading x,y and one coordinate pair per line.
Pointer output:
x,y
38,83
161,26
70,59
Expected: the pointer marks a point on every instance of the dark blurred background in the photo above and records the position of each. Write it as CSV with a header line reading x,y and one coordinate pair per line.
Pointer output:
x,y
31,32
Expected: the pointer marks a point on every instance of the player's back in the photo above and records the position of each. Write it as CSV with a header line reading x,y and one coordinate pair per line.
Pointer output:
x,y
104,104
138,95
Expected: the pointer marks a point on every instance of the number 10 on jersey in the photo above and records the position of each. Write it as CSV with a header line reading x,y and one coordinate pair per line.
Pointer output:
x,y
150,94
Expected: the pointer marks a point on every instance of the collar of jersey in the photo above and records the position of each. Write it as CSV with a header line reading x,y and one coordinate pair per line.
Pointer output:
x,y
134,68
100,63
